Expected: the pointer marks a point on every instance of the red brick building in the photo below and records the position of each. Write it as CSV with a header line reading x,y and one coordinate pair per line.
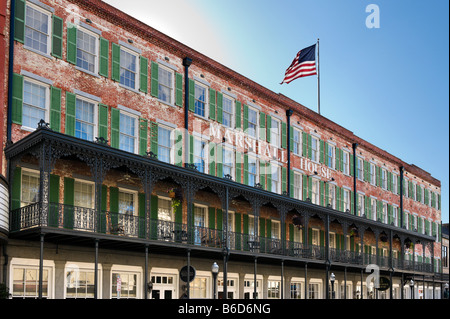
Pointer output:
x,y
125,145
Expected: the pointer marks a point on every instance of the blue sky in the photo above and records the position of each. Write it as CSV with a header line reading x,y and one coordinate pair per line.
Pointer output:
x,y
389,85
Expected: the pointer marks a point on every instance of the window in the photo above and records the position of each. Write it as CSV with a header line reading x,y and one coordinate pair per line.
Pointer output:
x,y
315,196
128,133
384,212
315,149
252,122
37,29
127,203
227,112
297,186
128,285
164,209
164,144
164,286
359,168
297,142
373,204
87,51
35,101
296,290
383,178
200,100
346,200
331,156
79,283
200,155
275,136
422,191
360,205
276,230
227,160
276,185
165,85
332,196
315,237
252,171
84,194
394,184
26,282
198,287
273,289
394,215
128,69
346,162
414,191
372,174
332,240
85,119
313,291
30,187
199,223
405,188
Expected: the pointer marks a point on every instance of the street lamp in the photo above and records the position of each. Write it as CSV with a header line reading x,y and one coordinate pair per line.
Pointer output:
x,y
215,271
332,278
411,285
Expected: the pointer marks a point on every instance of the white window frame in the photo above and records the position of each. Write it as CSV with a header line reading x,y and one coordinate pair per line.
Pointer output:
x,y
206,102
136,130
97,50
373,207
315,190
277,233
229,150
298,189
205,153
373,174
331,159
347,203
47,101
128,270
252,109
85,267
360,168
83,181
170,213
49,30
276,188
394,184
256,169
346,162
275,132
361,205
315,236
29,172
95,120
384,177
332,195
171,141
315,152
137,72
135,200
233,110
171,88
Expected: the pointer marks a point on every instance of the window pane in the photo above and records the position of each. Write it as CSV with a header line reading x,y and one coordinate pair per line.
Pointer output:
x,y
127,69
34,97
36,29
86,51
84,120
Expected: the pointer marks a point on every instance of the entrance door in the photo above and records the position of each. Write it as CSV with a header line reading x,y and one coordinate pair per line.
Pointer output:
x,y
163,287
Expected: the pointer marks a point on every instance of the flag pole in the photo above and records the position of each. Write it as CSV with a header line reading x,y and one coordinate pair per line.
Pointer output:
x,y
318,77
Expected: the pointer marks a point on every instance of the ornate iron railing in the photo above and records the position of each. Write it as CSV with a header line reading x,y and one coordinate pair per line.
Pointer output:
x,y
124,225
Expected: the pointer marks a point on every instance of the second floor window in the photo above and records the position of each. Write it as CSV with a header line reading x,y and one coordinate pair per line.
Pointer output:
x,y
34,103
228,155
127,139
297,186
164,144
252,171
128,69
30,187
86,51
315,196
200,155
84,194
84,119
37,29
127,203
332,196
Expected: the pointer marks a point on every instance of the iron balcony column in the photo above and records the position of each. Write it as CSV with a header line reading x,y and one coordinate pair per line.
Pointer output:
x,y
41,265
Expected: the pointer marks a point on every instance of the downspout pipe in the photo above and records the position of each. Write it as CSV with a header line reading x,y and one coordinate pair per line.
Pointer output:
x,y
10,70
186,63
354,145
288,115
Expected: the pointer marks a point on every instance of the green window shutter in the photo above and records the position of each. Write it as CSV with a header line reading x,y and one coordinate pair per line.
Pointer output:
x,y
212,104
143,80
398,185
327,192
17,98
212,159
291,233
154,207
262,126
191,149
322,238
211,218
269,228
19,21
322,193
283,179
238,167
262,174
57,37
55,109
103,121
238,114
71,43
268,128
237,227
322,151
219,219
69,196
304,185
154,138
353,209
16,188
246,169
262,227
114,199
219,107
283,135
352,173
53,198
154,79
143,129
291,137
70,113
219,160
115,60
269,176
104,197
115,127
245,223
245,118
141,211
304,144
178,89
191,95
104,58
291,186
178,148
310,187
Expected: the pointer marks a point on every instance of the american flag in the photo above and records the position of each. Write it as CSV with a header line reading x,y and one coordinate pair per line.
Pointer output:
x,y
304,64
